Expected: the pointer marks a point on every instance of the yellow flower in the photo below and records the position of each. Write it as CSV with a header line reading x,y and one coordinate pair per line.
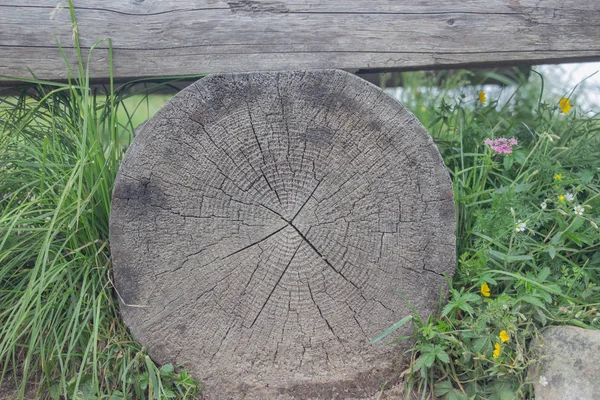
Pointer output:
x,y
558,177
481,96
565,105
561,198
497,348
485,289
504,336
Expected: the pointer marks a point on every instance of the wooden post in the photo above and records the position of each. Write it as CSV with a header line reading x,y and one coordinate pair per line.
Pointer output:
x,y
168,37
263,224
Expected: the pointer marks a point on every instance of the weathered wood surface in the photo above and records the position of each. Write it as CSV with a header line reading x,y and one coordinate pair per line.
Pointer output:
x,y
262,225
161,38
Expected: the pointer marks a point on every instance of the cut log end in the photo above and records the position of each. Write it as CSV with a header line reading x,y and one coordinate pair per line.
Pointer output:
x,y
263,225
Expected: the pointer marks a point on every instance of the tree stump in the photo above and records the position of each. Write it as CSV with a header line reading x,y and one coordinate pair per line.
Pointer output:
x,y
263,225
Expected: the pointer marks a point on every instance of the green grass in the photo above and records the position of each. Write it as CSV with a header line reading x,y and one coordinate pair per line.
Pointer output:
x,y
544,274
61,146
60,150
60,331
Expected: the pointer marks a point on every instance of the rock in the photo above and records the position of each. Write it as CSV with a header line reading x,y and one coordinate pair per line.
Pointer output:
x,y
570,364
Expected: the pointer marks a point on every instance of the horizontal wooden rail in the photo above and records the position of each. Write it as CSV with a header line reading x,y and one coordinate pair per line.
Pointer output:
x,y
168,37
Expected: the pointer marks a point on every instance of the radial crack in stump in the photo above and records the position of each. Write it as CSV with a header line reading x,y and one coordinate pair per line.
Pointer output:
x,y
263,225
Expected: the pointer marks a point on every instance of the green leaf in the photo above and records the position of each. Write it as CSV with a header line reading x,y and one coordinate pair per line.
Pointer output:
x,y
523,187
556,239
551,251
519,188
446,391
576,224
143,380
586,176
441,388
541,316
508,162
117,395
456,394
580,238
504,394
497,255
543,274
392,328
429,359
511,259
401,338
520,156
153,387
472,296
167,370
447,309
466,308
442,356
481,344
532,300
55,390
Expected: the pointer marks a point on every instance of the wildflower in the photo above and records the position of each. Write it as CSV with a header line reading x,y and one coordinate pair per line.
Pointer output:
x,y
561,198
543,381
485,289
502,145
482,98
558,177
497,349
565,105
569,196
543,205
504,336
520,226
578,210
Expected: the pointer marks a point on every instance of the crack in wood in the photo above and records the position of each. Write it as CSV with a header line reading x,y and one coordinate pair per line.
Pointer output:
x,y
275,286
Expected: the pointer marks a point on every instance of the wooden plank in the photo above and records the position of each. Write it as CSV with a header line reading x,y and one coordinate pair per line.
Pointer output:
x,y
163,38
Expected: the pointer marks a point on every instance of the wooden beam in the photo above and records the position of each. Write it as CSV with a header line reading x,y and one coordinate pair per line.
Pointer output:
x,y
165,38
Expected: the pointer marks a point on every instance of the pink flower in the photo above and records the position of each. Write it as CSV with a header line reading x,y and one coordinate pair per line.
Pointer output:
x,y
501,145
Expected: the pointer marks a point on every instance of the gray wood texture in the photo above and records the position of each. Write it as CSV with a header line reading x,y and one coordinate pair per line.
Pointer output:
x,y
162,38
263,224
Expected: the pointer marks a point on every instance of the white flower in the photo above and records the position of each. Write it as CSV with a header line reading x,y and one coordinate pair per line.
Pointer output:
x,y
544,205
578,210
543,381
520,226
569,196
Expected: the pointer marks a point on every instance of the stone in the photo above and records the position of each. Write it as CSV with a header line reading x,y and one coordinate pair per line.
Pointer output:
x,y
570,364
263,224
